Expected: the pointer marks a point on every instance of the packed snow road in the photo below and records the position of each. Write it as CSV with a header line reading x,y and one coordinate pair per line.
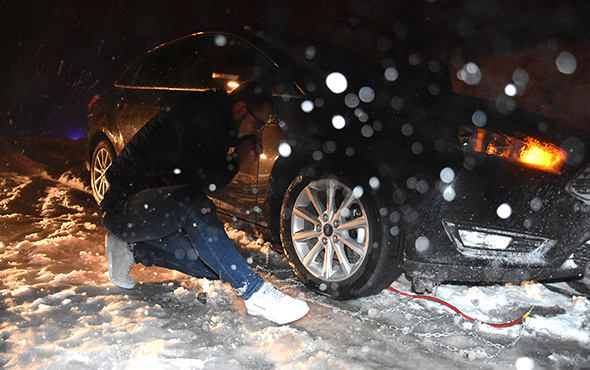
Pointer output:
x,y
59,310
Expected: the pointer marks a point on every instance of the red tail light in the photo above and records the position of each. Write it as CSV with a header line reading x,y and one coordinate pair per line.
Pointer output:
x,y
93,100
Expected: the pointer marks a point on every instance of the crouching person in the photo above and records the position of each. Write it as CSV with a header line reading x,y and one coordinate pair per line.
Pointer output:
x,y
156,211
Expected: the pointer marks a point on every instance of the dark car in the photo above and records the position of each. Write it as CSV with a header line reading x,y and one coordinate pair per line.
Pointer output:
x,y
374,167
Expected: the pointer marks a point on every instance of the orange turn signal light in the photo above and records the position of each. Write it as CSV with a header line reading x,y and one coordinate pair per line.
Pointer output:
x,y
529,151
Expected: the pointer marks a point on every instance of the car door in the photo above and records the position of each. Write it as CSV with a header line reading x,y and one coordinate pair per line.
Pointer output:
x,y
230,61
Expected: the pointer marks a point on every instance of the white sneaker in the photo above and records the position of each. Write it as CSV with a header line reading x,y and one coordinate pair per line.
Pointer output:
x,y
275,306
120,262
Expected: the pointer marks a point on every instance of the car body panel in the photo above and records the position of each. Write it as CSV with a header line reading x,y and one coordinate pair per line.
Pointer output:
x,y
405,145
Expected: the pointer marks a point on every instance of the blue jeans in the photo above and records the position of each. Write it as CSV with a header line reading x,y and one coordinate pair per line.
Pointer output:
x,y
177,227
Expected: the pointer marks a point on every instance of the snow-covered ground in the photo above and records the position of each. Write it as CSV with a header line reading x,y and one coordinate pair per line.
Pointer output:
x,y
58,309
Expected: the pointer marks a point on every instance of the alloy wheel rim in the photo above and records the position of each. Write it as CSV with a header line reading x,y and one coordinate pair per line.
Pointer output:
x,y
330,230
102,162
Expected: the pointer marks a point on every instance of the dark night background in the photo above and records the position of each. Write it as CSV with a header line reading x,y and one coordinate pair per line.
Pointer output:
x,y
57,54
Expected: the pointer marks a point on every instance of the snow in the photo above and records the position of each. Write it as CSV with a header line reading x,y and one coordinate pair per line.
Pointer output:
x,y
58,309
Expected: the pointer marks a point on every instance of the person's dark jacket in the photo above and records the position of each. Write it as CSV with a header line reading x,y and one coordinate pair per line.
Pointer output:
x,y
186,143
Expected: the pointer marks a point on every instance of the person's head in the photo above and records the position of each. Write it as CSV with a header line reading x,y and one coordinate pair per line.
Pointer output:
x,y
252,104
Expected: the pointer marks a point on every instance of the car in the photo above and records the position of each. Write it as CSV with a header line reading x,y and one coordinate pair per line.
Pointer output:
x,y
372,166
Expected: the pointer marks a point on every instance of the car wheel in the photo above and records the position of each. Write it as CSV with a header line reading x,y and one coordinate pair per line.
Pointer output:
x,y
102,158
337,240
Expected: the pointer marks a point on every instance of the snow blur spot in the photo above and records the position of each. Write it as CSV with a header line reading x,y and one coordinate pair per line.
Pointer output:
x,y
525,363
417,148
307,106
346,212
351,100
566,63
367,131
323,287
336,82
179,254
384,43
504,211
212,187
250,260
310,52
469,163
329,146
536,204
366,94
391,74
177,171
358,192
338,122
318,155
220,40
395,217
520,77
528,223
394,231
397,103
575,149
543,126
505,104
374,183
407,129
378,125
284,149
414,59
234,267
361,115
146,206
411,183
192,255
479,118
434,89
434,66
349,151
447,175
422,244
470,74
510,90
449,193
422,187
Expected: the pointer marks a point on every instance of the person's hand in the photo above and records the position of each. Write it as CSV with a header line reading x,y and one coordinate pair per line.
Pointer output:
x,y
248,150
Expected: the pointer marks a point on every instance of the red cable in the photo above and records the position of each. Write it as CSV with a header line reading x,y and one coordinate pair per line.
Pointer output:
x,y
505,325
517,321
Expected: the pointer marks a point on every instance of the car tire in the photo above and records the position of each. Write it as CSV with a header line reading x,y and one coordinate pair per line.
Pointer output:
x,y
102,158
354,230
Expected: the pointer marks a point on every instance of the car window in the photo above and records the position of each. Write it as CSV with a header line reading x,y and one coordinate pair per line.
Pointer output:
x,y
157,68
203,62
